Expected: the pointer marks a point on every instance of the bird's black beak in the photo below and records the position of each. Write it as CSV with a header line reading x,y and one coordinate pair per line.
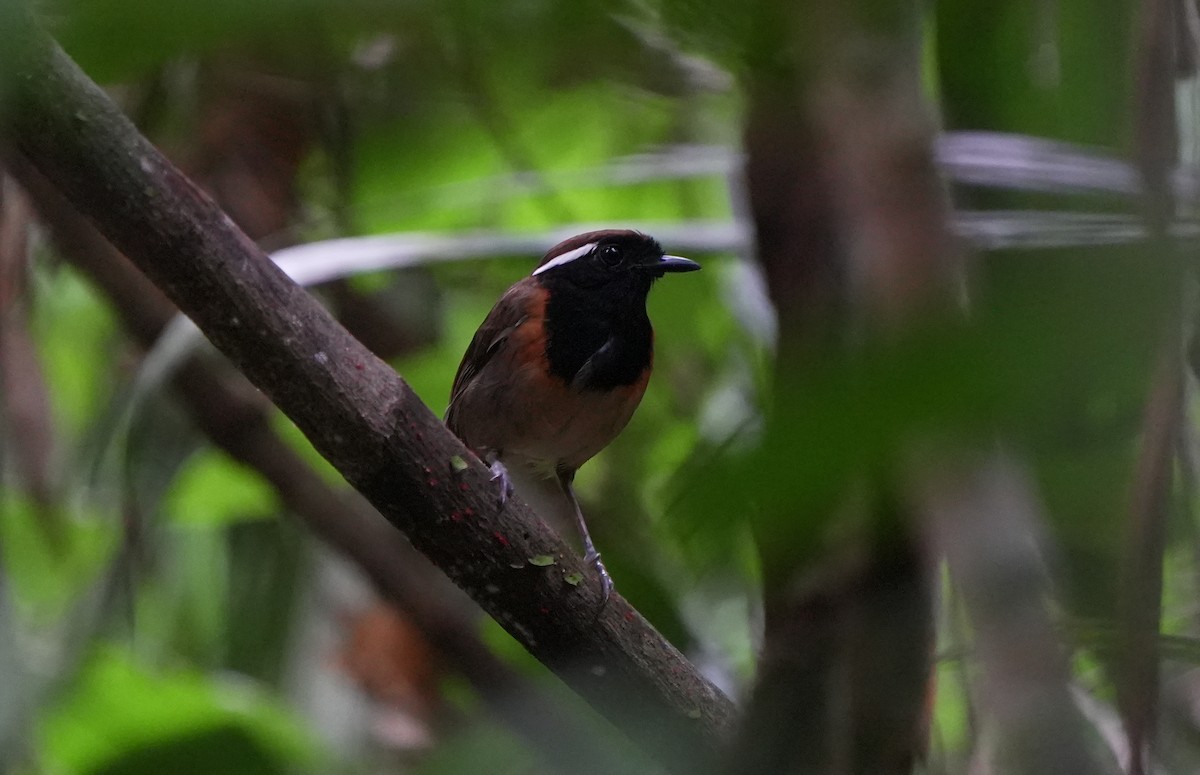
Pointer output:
x,y
674,264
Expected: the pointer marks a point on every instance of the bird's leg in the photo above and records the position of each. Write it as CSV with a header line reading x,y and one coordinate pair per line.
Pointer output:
x,y
499,474
590,554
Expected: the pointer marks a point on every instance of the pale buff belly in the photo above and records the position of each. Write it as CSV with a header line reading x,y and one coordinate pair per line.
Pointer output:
x,y
574,427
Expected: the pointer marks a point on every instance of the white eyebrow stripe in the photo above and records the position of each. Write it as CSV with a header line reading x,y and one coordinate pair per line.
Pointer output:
x,y
566,258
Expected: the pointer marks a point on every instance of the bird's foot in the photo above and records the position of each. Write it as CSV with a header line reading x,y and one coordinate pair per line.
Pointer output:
x,y
500,474
593,559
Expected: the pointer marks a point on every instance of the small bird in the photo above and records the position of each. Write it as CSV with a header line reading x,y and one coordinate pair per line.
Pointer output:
x,y
558,367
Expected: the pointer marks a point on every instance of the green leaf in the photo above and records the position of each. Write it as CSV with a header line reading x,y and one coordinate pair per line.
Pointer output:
x,y
49,571
122,717
212,489
74,329
541,560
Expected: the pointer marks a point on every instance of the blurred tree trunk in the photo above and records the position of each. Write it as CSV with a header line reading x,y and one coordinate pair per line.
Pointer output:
x,y
850,217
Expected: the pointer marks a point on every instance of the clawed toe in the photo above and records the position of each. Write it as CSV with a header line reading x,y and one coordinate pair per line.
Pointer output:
x,y
593,558
500,474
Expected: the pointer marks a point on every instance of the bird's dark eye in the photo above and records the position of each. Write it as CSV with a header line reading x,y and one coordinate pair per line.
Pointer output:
x,y
610,255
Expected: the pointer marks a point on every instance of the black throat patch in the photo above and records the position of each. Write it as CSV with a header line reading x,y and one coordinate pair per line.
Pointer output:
x,y
598,338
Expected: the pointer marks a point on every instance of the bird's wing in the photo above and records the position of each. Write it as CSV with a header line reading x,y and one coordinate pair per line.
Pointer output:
x,y
508,314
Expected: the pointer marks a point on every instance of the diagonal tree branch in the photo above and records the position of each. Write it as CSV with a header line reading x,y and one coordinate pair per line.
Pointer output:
x,y
356,411
233,415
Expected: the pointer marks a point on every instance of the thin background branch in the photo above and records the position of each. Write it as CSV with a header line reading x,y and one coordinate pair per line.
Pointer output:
x,y
1156,152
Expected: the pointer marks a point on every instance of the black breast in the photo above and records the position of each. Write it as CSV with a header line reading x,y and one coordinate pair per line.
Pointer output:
x,y
598,343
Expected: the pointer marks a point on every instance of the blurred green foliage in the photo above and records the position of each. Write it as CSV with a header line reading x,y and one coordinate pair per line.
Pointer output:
x,y
76,334
121,718
46,573
210,490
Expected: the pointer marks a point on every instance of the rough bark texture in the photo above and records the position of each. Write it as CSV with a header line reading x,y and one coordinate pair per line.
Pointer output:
x,y
234,416
356,411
